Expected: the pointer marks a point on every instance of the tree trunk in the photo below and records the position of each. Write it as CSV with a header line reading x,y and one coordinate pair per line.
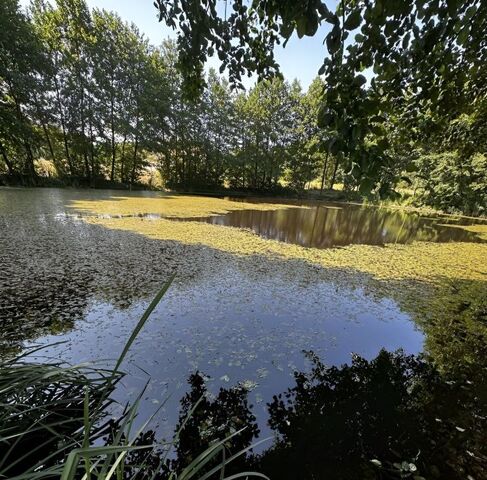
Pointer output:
x,y
122,160
49,143
134,166
44,128
29,167
92,153
83,135
63,126
334,174
136,146
9,164
323,176
112,122
30,170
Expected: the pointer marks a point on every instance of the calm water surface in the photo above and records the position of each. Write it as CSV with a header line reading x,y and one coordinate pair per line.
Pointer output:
x,y
234,319
332,224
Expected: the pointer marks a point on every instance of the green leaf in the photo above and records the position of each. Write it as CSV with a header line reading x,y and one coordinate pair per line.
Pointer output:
x,y
353,21
452,6
463,35
301,26
333,42
360,80
411,167
366,185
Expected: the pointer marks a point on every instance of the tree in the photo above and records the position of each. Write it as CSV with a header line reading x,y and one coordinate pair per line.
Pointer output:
x,y
432,48
21,63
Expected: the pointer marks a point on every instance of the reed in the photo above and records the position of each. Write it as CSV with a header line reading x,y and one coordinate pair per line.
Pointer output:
x,y
56,422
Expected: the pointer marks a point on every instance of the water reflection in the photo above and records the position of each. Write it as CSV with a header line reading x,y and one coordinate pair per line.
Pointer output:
x,y
257,341
235,318
325,226
395,416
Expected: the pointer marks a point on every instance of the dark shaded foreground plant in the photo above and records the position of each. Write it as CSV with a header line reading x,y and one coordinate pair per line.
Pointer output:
x,y
55,422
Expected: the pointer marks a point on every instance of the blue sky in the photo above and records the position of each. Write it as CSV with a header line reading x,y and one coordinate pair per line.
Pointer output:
x,y
300,59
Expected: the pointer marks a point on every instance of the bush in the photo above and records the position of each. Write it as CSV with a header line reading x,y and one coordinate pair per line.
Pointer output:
x,y
452,182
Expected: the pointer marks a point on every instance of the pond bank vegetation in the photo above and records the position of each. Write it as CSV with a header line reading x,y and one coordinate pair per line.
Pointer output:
x,y
142,128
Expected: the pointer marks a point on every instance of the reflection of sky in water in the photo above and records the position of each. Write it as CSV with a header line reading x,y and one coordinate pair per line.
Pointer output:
x,y
235,319
234,328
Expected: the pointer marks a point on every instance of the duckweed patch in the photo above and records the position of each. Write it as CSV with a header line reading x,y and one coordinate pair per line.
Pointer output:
x,y
423,261
170,206
417,275
419,261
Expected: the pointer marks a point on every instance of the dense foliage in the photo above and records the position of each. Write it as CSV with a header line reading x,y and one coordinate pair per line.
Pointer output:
x,y
425,60
85,98
399,108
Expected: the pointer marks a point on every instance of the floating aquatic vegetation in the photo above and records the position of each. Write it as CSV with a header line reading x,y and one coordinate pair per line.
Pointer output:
x,y
238,300
409,273
420,260
416,275
177,206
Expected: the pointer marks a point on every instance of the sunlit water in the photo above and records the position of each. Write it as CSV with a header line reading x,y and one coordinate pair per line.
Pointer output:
x,y
85,285
332,225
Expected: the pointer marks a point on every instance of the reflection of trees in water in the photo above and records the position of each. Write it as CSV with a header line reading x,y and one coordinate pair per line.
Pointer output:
x,y
393,409
395,416
428,411
456,329
214,419
322,227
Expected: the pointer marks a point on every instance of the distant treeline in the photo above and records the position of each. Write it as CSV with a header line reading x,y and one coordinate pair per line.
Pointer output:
x,y
85,97
86,100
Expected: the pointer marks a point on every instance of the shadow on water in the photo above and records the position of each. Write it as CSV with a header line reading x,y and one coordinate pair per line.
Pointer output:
x,y
393,417
326,226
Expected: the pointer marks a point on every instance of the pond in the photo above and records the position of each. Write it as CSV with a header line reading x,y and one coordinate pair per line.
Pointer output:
x,y
332,224
79,267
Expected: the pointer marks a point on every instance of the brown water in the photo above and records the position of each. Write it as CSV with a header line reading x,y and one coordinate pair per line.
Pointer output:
x,y
332,225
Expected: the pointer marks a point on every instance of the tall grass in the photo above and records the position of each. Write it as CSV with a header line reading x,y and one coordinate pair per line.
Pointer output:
x,y
55,422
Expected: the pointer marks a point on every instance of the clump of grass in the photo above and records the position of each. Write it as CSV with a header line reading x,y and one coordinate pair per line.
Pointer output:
x,y
42,413
55,423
